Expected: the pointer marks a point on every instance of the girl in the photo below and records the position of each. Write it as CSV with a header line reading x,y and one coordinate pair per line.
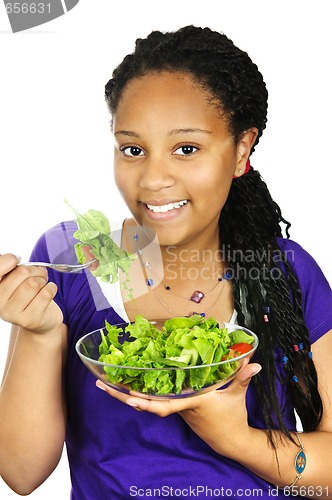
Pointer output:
x,y
188,109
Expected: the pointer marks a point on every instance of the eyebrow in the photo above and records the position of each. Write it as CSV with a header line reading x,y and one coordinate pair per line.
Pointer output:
x,y
176,131
127,133
189,131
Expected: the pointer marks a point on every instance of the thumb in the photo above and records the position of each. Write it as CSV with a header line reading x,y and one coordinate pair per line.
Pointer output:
x,y
246,373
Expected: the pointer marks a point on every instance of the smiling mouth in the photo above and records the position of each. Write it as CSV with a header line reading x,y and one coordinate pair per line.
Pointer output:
x,y
166,208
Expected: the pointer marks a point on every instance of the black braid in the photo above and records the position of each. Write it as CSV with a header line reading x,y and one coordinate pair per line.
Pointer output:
x,y
266,291
251,220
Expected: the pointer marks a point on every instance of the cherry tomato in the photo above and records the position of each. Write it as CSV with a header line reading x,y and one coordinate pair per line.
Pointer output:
x,y
241,348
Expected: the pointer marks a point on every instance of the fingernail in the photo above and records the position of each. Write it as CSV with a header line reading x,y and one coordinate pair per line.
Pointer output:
x,y
100,386
132,404
18,257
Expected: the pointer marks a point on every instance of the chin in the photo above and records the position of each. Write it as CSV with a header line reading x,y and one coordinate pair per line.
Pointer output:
x,y
170,240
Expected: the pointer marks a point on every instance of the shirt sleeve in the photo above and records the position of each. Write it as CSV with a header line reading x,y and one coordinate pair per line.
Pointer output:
x,y
316,290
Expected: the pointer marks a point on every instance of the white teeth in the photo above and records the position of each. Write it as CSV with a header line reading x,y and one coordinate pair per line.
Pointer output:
x,y
168,207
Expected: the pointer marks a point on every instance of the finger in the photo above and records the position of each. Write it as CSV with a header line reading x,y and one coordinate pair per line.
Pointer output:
x,y
8,262
162,408
42,298
24,282
20,288
244,376
18,274
120,396
42,313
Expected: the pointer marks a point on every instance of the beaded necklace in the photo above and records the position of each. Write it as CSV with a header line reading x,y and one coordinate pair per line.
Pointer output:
x,y
197,296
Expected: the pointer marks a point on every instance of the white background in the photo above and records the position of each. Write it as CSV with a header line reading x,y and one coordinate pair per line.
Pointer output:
x,y
55,141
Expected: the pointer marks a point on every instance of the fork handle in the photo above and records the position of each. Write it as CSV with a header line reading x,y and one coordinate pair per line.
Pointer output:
x,y
44,264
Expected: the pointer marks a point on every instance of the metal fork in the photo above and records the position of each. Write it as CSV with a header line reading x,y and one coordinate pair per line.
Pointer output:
x,y
61,268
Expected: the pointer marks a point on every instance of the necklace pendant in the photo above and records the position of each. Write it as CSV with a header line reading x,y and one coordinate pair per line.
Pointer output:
x,y
197,296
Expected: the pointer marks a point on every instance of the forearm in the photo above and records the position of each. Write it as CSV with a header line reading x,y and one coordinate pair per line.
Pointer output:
x,y
220,419
32,416
262,459
252,449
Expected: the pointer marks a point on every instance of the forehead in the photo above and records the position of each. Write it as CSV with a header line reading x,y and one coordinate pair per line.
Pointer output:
x,y
166,96
164,80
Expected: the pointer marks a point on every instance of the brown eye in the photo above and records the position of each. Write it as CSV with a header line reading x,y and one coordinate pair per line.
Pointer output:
x,y
186,150
132,151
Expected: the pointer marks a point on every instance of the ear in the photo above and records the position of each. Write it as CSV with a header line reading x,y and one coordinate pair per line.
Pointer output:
x,y
244,146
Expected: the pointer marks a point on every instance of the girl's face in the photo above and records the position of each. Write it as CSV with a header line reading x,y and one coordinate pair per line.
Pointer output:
x,y
174,158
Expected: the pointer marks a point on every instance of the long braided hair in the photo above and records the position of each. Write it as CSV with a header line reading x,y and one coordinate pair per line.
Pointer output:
x,y
267,296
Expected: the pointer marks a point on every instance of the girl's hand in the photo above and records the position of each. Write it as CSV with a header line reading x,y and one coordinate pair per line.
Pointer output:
x,y
219,413
26,296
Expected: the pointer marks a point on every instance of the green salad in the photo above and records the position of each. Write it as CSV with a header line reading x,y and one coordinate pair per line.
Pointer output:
x,y
182,342
94,232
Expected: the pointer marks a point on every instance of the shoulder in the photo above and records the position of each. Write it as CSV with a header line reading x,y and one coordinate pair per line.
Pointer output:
x,y
304,265
56,243
294,252
315,288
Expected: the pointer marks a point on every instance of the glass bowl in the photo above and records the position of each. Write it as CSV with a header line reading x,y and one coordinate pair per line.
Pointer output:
x,y
172,381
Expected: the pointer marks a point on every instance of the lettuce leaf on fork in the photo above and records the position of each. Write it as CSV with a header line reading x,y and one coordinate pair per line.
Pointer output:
x,y
94,232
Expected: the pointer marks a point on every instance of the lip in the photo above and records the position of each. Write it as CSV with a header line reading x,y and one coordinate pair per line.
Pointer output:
x,y
171,214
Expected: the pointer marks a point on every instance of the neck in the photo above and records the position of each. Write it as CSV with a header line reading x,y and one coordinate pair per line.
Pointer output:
x,y
193,264
181,279
200,260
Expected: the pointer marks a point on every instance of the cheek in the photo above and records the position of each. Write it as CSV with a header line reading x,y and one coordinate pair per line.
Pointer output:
x,y
120,173
216,199
118,177
121,184
214,192
215,184
126,186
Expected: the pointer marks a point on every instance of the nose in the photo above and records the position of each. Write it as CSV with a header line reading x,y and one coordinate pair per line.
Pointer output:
x,y
156,175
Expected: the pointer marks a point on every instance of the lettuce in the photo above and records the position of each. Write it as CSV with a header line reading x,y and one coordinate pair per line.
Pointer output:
x,y
94,232
181,343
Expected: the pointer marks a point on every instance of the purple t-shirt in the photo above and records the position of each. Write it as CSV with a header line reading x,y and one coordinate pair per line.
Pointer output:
x,y
117,453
